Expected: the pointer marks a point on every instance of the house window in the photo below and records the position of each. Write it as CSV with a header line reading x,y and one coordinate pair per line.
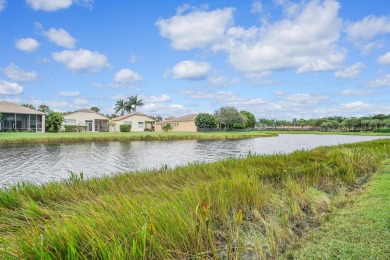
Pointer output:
x,y
141,125
127,122
175,124
70,121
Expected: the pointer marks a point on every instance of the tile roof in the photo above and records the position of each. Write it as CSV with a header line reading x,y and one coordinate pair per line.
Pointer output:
x,y
85,110
186,118
129,115
8,107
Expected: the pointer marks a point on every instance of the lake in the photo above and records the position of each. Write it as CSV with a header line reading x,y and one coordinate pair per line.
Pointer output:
x,y
41,163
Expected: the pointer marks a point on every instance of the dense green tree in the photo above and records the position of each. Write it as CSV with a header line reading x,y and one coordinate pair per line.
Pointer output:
x,y
250,119
229,116
29,106
205,120
120,106
95,108
54,122
157,118
351,123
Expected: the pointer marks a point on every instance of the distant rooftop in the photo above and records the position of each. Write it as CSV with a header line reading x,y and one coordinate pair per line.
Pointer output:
x,y
129,115
8,107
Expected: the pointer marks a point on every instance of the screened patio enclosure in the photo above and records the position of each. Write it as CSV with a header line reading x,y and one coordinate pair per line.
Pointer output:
x,y
20,118
22,122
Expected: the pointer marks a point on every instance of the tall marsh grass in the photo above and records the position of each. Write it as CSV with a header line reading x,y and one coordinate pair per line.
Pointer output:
x,y
254,207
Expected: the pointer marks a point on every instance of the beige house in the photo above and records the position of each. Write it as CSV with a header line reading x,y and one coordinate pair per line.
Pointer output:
x,y
139,122
179,124
21,118
91,120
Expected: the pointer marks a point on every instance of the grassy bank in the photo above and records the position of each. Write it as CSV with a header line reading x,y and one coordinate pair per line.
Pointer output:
x,y
256,207
361,230
23,137
369,133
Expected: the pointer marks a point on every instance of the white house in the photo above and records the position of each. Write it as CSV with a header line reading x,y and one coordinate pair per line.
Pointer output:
x,y
93,121
21,118
139,122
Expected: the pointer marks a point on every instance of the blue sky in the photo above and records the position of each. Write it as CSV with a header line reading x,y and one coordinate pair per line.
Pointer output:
x,y
277,59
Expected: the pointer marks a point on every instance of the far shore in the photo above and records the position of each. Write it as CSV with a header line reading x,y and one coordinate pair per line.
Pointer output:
x,y
25,137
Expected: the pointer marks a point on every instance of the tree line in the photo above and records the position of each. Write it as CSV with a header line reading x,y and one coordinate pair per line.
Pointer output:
x,y
367,123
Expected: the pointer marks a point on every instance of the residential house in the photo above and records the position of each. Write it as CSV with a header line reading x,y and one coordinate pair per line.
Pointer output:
x,y
21,118
139,122
179,124
91,120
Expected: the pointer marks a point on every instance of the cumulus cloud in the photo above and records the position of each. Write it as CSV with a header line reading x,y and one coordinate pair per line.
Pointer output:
x,y
197,29
350,72
81,60
80,102
191,70
383,81
166,109
354,105
49,5
60,37
355,92
27,44
68,93
256,7
368,28
10,88
2,4
127,76
384,59
306,42
19,75
156,99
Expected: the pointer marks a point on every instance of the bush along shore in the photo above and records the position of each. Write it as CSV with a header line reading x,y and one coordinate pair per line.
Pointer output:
x,y
25,137
255,207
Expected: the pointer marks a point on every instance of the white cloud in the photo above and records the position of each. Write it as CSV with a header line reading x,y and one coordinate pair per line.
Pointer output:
x,y
192,70
80,102
350,72
368,28
19,75
127,76
306,41
306,98
355,92
155,99
354,105
2,4
68,93
384,59
383,81
49,5
10,88
60,37
197,29
81,60
162,109
27,44
256,7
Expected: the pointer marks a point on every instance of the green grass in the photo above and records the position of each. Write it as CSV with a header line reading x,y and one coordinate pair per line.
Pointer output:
x,y
369,133
256,207
24,137
361,230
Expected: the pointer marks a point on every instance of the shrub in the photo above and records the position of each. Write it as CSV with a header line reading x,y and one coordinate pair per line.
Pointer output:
x,y
382,130
166,127
75,128
125,128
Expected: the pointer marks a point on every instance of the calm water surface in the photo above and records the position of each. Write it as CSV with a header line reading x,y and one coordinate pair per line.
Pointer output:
x,y
48,162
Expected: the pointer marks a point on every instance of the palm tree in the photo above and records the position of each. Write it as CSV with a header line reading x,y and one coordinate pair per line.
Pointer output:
x,y
44,108
120,106
132,103
29,106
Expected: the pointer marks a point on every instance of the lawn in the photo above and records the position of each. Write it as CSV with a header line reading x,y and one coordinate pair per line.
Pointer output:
x,y
361,230
370,133
24,137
